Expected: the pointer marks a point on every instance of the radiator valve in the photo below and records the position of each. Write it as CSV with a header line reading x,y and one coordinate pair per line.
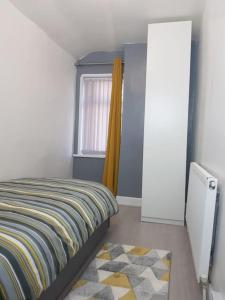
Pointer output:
x,y
204,281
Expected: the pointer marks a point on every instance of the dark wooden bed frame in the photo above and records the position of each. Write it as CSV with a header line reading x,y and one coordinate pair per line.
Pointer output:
x,y
75,267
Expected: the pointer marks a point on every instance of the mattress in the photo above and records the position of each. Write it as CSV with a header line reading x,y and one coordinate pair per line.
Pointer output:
x,y
43,224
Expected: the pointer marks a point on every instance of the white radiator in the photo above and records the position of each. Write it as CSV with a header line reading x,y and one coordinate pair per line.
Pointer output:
x,y
202,191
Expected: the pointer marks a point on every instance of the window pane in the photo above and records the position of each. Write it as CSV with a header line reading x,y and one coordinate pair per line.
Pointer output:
x,y
95,104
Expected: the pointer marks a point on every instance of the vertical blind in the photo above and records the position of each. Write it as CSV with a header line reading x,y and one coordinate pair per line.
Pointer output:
x,y
95,105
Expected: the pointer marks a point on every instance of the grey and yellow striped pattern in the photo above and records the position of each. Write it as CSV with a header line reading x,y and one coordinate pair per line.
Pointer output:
x,y
43,223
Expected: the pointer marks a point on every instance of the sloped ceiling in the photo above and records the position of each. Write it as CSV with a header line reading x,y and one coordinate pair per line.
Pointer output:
x,y
83,26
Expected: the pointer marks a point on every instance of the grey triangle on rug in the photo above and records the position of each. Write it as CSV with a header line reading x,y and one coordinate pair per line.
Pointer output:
x,y
124,272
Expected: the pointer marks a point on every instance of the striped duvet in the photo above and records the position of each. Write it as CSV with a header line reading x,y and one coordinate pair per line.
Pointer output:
x,y
43,223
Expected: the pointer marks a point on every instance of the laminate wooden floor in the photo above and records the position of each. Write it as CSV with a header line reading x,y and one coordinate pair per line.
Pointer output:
x,y
126,228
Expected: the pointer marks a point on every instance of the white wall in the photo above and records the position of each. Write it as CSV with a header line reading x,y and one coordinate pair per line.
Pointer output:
x,y
36,100
210,137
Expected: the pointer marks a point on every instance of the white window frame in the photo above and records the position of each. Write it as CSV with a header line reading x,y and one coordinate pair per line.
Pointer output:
x,y
80,116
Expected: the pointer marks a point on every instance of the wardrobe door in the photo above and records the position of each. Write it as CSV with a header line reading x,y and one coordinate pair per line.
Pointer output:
x,y
166,120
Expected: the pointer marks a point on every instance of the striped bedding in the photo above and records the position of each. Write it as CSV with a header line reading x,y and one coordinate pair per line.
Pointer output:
x,y
43,223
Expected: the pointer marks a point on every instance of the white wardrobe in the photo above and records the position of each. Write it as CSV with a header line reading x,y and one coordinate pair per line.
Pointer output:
x,y
166,122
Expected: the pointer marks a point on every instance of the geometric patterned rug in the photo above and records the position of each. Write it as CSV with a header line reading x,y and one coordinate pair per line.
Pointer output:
x,y
122,272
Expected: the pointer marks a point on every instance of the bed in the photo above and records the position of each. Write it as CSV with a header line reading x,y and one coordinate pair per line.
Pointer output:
x,y
49,229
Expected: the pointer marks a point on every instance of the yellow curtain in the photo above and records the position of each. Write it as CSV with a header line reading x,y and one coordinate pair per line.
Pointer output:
x,y
111,166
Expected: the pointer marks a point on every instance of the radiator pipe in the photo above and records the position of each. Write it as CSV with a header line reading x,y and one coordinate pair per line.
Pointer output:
x,y
204,285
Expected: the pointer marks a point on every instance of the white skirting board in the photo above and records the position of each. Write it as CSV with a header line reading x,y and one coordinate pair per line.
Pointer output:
x,y
162,221
129,201
215,295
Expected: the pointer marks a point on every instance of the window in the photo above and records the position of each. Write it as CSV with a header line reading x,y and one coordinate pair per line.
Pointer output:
x,y
95,95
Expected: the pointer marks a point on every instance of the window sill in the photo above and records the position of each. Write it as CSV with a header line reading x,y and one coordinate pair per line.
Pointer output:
x,y
88,156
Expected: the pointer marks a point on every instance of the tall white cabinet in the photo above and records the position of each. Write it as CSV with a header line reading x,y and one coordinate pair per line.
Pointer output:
x,y
166,122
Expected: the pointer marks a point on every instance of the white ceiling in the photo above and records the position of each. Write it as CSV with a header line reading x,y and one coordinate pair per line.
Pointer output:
x,y
83,26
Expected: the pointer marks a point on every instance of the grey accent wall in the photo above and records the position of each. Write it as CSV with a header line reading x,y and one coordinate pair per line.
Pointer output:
x,y
88,168
191,109
84,167
131,155
100,57
130,173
